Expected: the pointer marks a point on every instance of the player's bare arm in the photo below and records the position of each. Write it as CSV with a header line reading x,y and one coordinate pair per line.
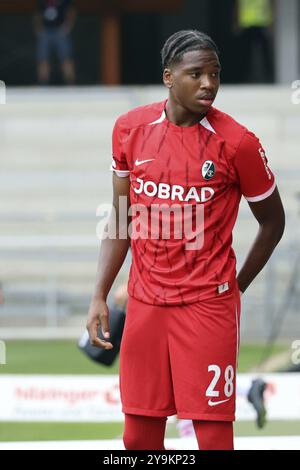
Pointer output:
x,y
111,257
269,213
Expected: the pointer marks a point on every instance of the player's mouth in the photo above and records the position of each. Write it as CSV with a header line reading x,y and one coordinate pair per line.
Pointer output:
x,y
206,100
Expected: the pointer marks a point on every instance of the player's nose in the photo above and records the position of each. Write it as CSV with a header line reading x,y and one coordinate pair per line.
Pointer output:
x,y
207,83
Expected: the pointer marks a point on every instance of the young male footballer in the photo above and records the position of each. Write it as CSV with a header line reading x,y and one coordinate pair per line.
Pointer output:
x,y
182,160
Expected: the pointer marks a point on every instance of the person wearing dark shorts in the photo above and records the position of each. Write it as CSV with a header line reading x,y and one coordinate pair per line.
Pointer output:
x,y
53,23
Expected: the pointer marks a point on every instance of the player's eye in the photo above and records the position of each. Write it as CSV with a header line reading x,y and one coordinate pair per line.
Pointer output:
x,y
215,74
195,75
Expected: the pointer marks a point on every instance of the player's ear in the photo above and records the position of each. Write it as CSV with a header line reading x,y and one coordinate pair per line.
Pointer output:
x,y
167,78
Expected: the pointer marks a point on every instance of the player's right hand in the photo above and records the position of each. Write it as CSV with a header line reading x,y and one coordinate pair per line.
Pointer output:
x,y
98,315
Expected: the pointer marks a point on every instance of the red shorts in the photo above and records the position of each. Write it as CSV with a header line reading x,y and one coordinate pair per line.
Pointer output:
x,y
181,359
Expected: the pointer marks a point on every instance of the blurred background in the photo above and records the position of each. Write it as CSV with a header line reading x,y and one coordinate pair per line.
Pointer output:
x,y
70,69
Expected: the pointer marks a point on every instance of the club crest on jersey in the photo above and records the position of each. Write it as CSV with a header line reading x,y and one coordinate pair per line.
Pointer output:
x,y
208,170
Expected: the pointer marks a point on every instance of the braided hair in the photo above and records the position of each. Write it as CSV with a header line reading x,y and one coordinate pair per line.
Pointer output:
x,y
185,41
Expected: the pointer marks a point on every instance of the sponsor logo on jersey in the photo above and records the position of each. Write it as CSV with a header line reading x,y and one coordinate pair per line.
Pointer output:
x,y
140,162
264,159
208,170
215,403
223,288
173,192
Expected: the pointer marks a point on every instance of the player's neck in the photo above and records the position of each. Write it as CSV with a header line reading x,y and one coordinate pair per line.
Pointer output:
x,y
179,116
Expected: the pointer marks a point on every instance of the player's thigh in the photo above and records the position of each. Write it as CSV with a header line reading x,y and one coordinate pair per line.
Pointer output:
x,y
145,376
203,354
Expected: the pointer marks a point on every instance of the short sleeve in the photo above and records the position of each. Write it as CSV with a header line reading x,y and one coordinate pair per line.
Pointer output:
x,y
256,180
119,162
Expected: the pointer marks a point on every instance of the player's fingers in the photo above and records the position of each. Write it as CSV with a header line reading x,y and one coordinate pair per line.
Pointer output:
x,y
99,343
92,328
104,320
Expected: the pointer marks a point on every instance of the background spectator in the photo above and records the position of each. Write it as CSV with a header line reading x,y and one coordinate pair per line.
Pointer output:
x,y
53,23
253,24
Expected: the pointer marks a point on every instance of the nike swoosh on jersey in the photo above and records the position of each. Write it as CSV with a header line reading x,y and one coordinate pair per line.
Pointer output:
x,y
214,403
140,162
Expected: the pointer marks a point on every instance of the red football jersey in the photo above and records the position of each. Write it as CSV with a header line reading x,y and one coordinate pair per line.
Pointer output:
x,y
204,169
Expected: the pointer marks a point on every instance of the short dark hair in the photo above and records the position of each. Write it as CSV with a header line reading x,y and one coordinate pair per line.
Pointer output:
x,y
185,41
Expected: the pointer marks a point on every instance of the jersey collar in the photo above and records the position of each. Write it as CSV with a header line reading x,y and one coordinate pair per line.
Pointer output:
x,y
204,121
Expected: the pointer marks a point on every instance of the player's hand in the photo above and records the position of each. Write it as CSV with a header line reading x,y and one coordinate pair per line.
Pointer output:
x,y
99,315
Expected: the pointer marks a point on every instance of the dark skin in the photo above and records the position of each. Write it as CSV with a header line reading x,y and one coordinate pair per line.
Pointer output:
x,y
270,216
193,83
196,76
111,257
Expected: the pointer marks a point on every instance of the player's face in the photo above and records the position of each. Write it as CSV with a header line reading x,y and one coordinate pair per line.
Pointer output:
x,y
194,81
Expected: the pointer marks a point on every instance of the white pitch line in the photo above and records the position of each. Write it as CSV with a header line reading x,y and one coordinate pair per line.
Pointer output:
x,y
241,443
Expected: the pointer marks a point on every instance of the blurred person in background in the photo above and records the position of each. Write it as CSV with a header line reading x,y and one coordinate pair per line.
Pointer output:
x,y
253,22
53,23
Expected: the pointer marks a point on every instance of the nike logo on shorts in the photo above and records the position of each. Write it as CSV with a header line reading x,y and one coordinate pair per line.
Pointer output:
x,y
214,403
140,162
